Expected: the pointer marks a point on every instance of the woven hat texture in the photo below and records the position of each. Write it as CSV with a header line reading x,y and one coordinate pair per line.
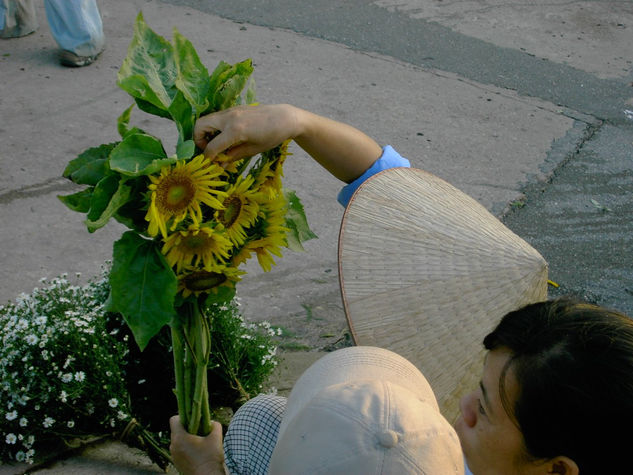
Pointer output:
x,y
426,271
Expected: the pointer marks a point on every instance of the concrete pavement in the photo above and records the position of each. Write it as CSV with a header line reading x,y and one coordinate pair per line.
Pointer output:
x,y
517,107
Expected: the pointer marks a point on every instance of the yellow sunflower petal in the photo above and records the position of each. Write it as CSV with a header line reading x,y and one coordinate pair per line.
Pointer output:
x,y
180,190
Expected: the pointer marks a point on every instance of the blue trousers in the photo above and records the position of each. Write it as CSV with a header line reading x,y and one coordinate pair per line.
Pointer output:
x,y
75,24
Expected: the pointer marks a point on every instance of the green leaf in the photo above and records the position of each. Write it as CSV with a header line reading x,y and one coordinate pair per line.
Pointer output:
x,y
152,109
250,91
193,78
138,155
222,295
227,83
186,149
90,166
123,121
297,222
108,196
149,71
79,201
182,113
143,286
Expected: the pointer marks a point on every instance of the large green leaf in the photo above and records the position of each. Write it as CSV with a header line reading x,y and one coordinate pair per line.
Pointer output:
x,y
90,166
149,71
193,77
79,201
143,286
296,222
139,154
108,196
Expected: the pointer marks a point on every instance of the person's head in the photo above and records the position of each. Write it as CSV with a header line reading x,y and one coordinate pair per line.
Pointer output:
x,y
364,410
557,386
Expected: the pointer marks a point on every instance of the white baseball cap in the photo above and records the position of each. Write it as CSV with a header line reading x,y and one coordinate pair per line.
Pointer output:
x,y
364,410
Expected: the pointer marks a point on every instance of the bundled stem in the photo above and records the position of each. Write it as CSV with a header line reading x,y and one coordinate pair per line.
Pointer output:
x,y
191,340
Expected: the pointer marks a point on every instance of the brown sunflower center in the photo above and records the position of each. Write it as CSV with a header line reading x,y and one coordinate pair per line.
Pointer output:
x,y
231,211
203,280
197,242
174,193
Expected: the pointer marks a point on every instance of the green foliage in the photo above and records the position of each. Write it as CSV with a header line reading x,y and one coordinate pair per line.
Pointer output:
x,y
70,368
168,80
138,263
296,222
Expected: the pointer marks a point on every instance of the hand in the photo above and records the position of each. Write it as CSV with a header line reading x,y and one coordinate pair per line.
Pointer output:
x,y
244,131
193,454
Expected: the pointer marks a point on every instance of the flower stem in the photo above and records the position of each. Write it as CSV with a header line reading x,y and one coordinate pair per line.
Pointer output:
x,y
193,344
179,357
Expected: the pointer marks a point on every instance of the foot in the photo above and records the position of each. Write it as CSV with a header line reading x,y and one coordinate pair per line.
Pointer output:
x,y
70,59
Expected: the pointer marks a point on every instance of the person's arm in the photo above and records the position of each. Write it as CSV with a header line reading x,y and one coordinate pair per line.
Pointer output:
x,y
194,455
244,131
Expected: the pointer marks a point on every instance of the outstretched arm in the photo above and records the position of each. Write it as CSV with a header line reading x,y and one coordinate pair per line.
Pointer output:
x,y
244,131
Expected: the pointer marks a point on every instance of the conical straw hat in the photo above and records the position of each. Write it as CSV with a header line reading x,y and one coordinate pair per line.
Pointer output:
x,y
427,272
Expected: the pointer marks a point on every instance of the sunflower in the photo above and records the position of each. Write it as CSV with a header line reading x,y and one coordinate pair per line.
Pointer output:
x,y
195,281
268,177
195,246
179,191
239,210
263,248
227,163
272,230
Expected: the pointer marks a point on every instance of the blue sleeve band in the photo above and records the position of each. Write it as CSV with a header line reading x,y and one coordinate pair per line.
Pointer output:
x,y
389,159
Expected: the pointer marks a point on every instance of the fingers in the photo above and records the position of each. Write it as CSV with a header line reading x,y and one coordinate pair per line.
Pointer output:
x,y
221,143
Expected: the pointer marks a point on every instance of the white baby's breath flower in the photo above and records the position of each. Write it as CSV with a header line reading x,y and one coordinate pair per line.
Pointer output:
x,y
31,339
63,397
20,456
11,439
48,422
70,424
24,422
67,377
11,415
114,402
80,376
121,415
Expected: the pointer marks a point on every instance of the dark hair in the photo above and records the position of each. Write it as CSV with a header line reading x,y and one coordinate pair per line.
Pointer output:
x,y
573,362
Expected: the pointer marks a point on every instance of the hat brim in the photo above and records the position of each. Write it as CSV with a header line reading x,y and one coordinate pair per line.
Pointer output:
x,y
427,272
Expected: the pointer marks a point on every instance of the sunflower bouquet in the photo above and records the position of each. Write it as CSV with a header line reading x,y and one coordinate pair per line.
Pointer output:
x,y
192,222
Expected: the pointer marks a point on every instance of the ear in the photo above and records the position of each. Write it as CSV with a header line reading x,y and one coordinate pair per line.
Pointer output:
x,y
563,466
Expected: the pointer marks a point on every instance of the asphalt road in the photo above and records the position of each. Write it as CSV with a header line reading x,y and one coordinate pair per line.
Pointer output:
x,y
578,211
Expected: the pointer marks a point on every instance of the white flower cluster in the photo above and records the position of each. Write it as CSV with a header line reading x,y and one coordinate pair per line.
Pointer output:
x,y
59,368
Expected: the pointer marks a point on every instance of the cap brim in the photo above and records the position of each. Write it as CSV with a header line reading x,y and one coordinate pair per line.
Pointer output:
x,y
427,272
